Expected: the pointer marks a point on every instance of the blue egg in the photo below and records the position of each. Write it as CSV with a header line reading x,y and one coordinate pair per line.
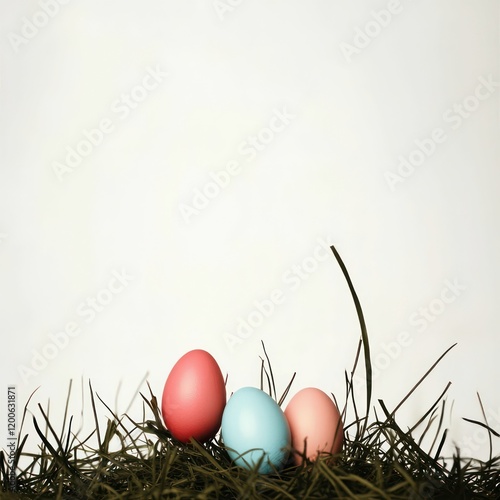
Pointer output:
x,y
254,425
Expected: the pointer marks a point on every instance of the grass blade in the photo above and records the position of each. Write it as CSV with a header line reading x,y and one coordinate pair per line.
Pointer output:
x,y
364,333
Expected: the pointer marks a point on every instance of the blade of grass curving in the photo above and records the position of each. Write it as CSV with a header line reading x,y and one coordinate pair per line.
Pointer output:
x,y
62,461
153,404
50,428
364,333
350,380
432,408
429,424
440,424
263,371
440,447
26,410
418,455
482,424
270,369
426,374
95,415
486,421
83,404
112,429
261,374
19,451
117,394
68,437
100,467
356,357
63,426
349,390
287,390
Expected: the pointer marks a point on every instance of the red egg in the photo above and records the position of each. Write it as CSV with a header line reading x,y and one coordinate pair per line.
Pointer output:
x,y
194,397
315,420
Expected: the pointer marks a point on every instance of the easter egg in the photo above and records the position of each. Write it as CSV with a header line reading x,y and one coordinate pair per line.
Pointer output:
x,y
315,420
253,428
194,397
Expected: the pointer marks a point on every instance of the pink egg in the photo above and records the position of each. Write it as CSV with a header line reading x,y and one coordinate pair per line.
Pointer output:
x,y
194,397
314,418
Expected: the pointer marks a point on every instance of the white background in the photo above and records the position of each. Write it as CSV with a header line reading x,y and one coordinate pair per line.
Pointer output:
x,y
322,178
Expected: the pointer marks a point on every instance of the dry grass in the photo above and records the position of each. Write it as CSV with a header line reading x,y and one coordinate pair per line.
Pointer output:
x,y
379,459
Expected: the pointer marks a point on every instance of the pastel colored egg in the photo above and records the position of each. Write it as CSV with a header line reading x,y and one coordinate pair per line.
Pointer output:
x,y
253,428
194,397
315,420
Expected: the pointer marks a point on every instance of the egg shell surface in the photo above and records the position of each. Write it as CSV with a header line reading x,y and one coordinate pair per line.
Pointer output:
x,y
313,416
194,397
252,420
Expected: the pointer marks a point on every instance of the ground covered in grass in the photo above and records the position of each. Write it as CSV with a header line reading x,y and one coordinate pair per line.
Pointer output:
x,y
381,461
141,460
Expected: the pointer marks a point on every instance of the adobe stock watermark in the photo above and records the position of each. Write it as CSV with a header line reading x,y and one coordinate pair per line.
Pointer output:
x,y
121,107
263,308
12,435
419,321
364,36
454,118
31,27
223,7
88,310
249,148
